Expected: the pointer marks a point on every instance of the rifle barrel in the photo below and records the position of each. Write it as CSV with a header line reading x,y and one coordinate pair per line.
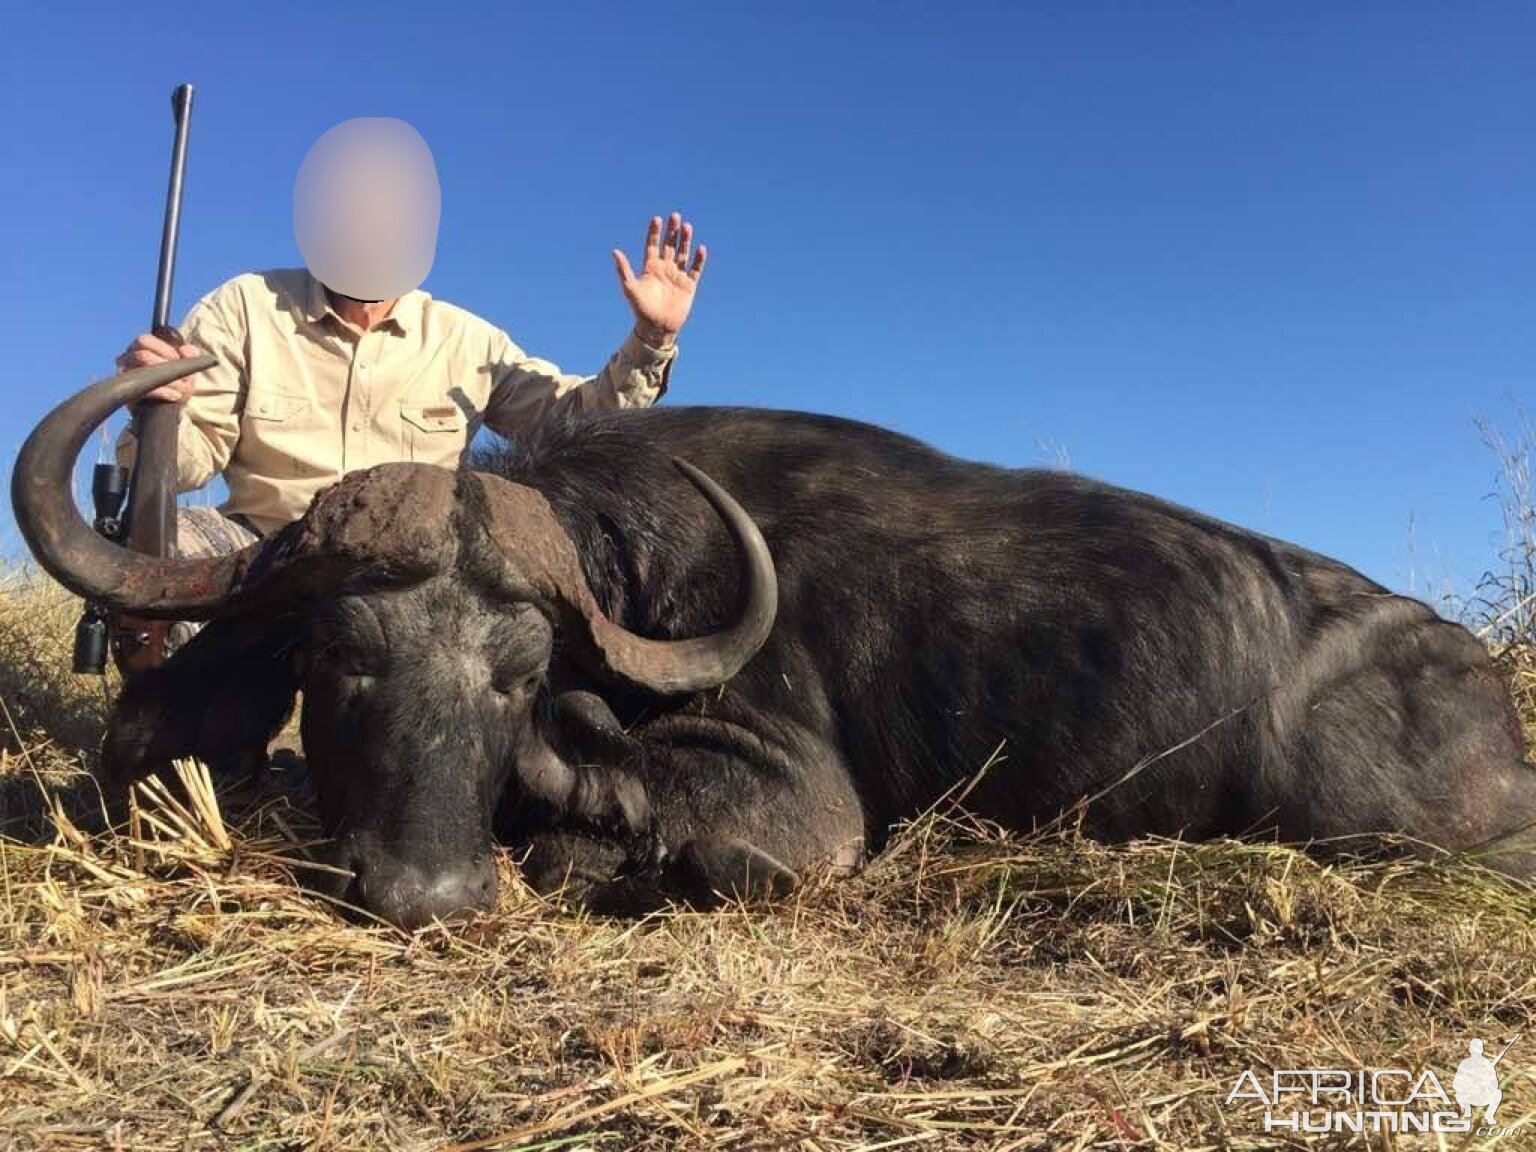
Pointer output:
x,y
181,108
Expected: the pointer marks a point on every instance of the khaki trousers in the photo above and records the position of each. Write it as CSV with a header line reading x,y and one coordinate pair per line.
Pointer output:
x,y
200,533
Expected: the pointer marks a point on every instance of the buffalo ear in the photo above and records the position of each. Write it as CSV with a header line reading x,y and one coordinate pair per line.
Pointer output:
x,y
575,769
221,698
586,730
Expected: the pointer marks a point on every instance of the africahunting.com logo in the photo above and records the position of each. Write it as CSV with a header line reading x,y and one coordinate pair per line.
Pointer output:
x,y
1380,1099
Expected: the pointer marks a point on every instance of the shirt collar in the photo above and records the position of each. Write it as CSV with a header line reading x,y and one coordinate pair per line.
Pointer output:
x,y
406,314
404,317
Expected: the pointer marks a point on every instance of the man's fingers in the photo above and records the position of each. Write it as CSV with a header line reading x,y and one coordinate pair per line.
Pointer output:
x,y
150,349
139,358
149,342
672,243
621,263
142,357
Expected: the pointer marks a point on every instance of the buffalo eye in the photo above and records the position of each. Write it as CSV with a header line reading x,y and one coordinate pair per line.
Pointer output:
x,y
350,639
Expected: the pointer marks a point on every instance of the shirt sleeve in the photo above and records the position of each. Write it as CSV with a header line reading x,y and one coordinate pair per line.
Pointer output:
x,y
526,390
210,420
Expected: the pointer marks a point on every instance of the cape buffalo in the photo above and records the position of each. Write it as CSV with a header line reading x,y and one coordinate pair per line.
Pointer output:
x,y
568,646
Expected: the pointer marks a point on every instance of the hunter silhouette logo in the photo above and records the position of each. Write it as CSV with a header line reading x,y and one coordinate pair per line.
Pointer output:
x,y
1477,1081
1399,1100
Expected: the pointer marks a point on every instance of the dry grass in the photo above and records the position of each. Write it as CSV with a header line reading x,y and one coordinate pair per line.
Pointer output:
x,y
1518,660
170,987
1502,608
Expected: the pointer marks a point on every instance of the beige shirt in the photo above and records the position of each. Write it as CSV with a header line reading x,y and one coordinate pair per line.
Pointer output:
x,y
300,396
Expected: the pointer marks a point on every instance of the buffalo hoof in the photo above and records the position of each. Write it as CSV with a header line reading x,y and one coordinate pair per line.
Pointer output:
x,y
603,878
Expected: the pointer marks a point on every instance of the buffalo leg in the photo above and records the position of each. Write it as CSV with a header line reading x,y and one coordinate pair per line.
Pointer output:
x,y
703,873
560,860
713,868
221,698
745,811
736,815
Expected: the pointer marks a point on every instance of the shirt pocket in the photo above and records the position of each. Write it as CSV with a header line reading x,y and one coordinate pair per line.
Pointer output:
x,y
276,408
279,438
433,433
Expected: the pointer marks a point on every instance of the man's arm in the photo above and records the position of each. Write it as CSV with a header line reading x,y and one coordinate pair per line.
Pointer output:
x,y
526,390
210,400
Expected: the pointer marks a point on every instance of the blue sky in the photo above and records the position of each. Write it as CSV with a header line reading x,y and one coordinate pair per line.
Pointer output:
x,y
1272,262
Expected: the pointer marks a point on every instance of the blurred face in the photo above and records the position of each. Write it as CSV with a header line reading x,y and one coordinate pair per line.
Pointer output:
x,y
366,206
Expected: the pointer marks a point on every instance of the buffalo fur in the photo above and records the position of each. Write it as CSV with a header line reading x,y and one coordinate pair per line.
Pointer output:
x,y
1100,653
1167,672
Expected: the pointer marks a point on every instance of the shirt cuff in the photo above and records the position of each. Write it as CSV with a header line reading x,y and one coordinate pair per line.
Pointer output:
x,y
636,353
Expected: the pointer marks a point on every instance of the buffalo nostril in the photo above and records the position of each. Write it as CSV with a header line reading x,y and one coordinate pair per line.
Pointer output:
x,y
411,897
372,883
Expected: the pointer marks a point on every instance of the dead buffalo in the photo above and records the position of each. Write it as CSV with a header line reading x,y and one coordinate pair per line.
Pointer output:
x,y
567,646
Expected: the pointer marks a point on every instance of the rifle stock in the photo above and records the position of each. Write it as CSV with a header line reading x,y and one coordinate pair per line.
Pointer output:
x,y
140,644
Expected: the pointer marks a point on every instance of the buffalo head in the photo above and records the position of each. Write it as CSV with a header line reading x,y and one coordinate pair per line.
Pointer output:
x,y
416,609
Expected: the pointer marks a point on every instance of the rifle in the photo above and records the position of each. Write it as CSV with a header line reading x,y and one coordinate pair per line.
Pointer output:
x,y
151,491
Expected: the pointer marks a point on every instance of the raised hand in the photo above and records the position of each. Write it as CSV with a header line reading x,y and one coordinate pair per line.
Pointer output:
x,y
662,294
